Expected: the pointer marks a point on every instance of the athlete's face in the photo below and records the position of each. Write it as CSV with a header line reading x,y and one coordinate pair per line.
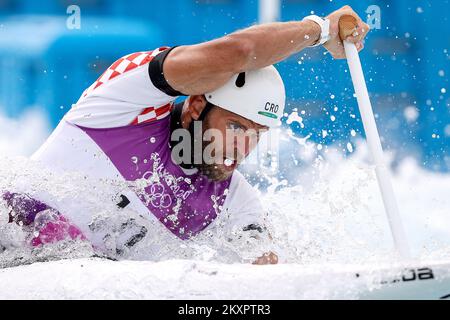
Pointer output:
x,y
228,140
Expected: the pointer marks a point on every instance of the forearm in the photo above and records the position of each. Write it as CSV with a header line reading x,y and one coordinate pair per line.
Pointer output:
x,y
206,66
273,42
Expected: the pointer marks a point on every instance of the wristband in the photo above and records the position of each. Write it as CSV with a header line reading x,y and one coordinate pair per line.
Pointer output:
x,y
324,27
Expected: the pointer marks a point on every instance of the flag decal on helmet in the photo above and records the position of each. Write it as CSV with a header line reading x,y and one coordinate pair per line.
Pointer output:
x,y
268,114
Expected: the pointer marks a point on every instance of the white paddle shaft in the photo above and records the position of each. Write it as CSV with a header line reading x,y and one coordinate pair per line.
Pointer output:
x,y
374,143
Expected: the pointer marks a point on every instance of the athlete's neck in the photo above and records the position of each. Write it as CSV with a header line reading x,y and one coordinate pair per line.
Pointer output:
x,y
175,118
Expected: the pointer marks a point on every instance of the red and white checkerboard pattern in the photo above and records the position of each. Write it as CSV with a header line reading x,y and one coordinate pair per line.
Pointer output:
x,y
151,114
121,66
124,65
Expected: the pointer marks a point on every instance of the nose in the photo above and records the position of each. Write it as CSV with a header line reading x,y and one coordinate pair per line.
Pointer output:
x,y
244,146
240,150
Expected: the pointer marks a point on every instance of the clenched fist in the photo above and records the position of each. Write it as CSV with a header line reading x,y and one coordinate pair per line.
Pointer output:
x,y
355,33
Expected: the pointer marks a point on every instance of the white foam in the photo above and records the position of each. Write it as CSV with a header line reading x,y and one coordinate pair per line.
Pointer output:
x,y
24,135
329,212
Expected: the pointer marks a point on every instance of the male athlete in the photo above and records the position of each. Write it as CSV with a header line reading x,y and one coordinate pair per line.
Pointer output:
x,y
126,127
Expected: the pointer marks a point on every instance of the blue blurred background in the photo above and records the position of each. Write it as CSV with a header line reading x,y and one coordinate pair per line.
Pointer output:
x,y
47,65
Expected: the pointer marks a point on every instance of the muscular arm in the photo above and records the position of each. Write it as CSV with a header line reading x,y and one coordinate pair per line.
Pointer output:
x,y
204,67
201,68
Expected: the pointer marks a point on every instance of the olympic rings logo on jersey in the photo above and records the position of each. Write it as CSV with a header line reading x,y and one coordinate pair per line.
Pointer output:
x,y
156,192
158,197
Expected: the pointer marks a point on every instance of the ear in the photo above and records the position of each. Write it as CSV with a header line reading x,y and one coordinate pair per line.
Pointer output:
x,y
196,106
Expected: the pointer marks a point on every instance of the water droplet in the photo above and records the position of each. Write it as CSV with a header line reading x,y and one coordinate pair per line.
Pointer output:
x,y
228,162
349,147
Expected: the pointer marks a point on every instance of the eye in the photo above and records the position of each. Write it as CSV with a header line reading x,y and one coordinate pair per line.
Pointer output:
x,y
236,127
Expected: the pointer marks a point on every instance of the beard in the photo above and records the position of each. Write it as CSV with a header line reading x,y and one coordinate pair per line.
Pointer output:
x,y
214,170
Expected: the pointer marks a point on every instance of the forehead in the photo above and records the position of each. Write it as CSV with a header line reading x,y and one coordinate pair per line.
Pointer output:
x,y
228,115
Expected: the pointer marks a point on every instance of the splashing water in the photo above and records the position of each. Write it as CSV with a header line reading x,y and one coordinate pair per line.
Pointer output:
x,y
325,216
333,215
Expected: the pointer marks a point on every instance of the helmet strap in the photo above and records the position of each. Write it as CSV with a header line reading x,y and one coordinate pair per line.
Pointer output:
x,y
205,111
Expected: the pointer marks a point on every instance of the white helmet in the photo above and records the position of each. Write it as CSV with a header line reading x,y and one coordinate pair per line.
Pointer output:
x,y
257,95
